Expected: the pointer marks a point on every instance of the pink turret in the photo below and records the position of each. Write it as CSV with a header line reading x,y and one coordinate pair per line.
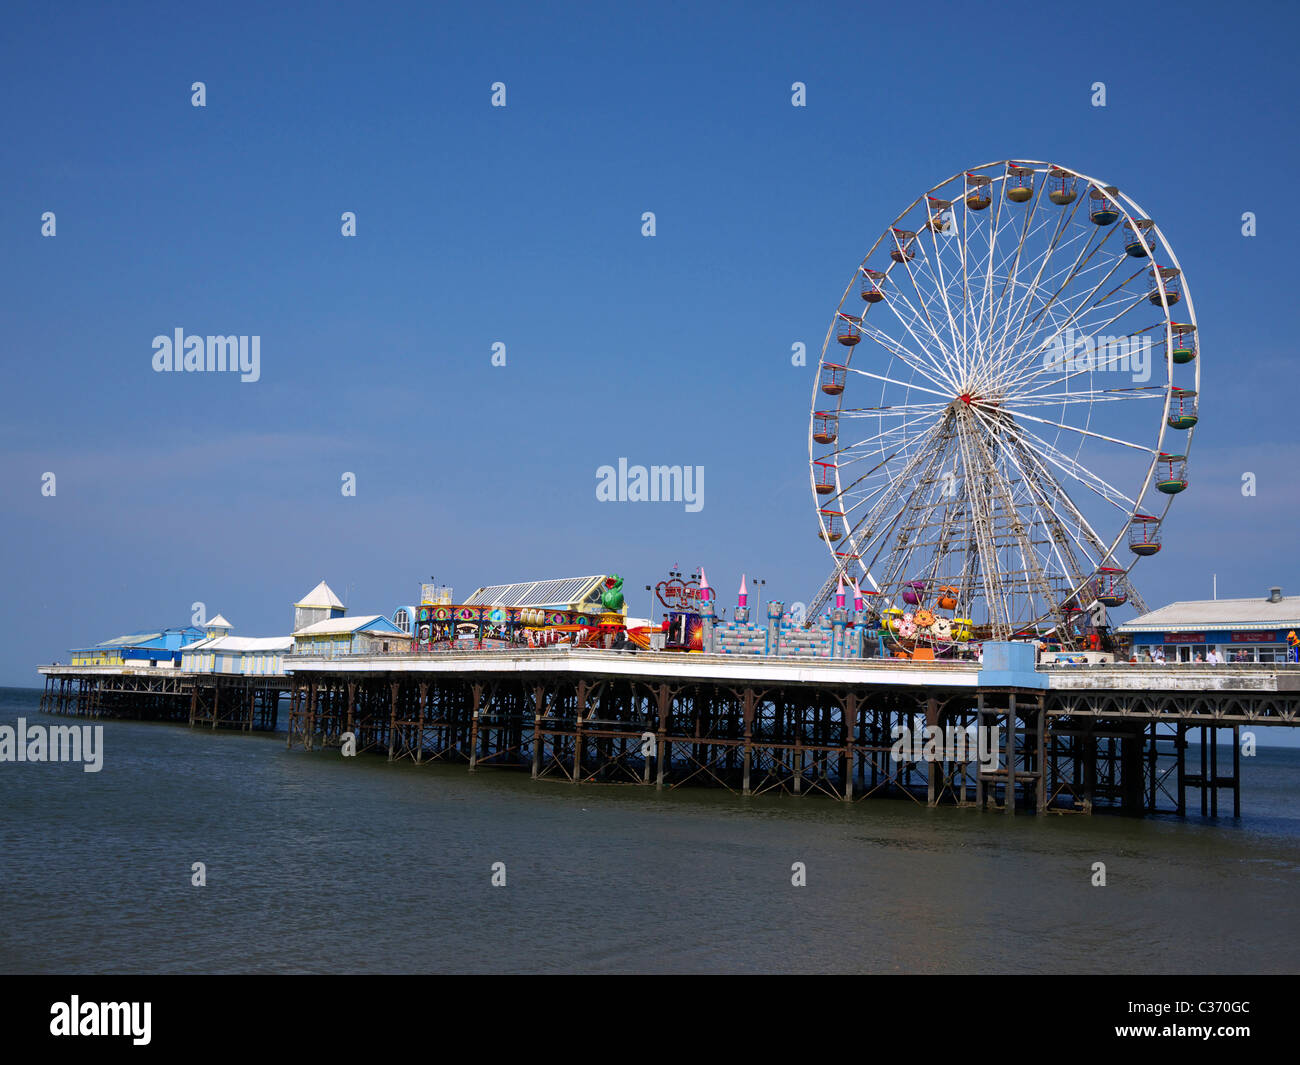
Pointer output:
x,y
742,600
706,593
839,595
857,598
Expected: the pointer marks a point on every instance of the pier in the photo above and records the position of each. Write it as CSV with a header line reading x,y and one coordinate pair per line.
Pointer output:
x,y
1133,738
246,703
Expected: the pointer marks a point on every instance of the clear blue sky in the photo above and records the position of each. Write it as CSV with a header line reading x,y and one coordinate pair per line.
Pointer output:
x,y
523,225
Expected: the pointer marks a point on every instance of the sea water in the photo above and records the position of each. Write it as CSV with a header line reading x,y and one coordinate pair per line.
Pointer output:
x,y
315,863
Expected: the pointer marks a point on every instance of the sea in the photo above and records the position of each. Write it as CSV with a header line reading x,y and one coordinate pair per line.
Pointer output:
x,y
201,852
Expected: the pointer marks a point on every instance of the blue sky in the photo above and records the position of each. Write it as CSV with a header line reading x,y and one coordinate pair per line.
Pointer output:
x,y
522,225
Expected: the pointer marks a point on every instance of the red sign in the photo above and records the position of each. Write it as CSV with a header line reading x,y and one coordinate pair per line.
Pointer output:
x,y
1184,637
1255,637
679,595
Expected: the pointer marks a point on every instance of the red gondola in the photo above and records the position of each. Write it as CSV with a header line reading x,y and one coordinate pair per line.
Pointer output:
x,y
832,378
846,329
826,426
824,478
833,525
902,251
871,282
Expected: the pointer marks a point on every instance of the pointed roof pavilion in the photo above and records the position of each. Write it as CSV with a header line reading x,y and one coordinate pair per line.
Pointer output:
x,y
321,596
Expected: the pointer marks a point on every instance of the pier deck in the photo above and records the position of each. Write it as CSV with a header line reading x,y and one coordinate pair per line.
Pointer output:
x,y
1076,738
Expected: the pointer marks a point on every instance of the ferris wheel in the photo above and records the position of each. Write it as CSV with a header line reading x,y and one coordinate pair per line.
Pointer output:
x,y
1004,406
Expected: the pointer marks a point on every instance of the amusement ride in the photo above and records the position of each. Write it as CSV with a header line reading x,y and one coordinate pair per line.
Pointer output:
x,y
1003,410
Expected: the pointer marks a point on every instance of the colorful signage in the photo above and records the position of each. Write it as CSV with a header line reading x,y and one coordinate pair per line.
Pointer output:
x,y
677,594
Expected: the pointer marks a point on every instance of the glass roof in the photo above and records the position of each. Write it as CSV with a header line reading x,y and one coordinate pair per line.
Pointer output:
x,y
559,592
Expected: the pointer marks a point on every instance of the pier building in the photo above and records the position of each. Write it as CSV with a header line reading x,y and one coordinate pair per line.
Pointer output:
x,y
499,616
1261,629
322,627
366,634
248,656
159,648
320,604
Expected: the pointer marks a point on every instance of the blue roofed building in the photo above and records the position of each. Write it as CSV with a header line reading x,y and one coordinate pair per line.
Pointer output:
x,y
159,648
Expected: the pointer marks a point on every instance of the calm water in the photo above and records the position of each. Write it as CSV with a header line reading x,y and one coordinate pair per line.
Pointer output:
x,y
319,865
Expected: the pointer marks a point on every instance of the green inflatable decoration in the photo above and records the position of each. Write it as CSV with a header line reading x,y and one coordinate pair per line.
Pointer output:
x,y
612,597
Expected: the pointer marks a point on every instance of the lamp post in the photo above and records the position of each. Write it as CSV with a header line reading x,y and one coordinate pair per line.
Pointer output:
x,y
759,582
652,603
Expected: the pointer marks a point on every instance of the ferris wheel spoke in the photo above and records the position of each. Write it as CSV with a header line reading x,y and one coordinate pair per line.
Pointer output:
x,y
925,367
941,285
1101,395
901,453
1071,318
980,306
905,430
984,311
901,384
862,494
906,317
940,366
858,501
1084,432
1087,252
1092,546
864,412
1014,308
964,257
1086,477
982,531
886,439
1071,271
864,530
1126,353
1046,492
1007,274
1030,558
1091,248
